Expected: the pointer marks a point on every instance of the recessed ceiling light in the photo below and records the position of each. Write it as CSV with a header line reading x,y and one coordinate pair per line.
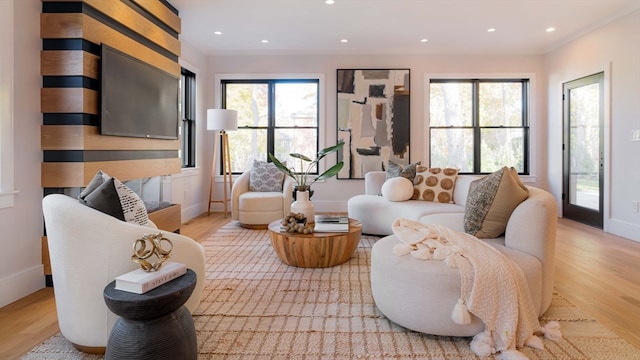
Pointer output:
x,y
424,40
491,29
218,32
329,2
344,40
551,29
264,41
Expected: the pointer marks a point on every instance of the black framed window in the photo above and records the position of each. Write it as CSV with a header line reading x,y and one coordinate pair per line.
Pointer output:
x,y
479,125
188,127
278,116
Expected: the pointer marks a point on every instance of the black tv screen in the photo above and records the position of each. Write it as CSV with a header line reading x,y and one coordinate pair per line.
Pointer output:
x,y
137,99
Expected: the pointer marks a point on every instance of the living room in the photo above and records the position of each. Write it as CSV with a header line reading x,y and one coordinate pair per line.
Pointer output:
x,y
610,45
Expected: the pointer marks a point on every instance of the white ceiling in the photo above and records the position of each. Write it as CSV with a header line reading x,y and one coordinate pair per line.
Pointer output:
x,y
391,26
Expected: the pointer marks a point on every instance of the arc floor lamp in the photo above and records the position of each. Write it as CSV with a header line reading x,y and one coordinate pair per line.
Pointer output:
x,y
221,120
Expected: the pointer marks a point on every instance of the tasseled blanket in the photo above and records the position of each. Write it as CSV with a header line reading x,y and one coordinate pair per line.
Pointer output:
x,y
493,287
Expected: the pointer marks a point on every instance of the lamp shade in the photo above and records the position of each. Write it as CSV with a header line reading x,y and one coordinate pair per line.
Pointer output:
x,y
222,119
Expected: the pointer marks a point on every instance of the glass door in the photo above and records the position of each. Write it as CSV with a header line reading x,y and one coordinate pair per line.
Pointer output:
x,y
583,165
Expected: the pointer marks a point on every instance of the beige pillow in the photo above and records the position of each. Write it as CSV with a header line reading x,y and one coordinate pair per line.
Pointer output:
x,y
434,184
491,201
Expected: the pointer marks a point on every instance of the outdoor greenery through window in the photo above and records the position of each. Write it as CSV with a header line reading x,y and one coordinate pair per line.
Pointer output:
x,y
188,111
479,126
274,116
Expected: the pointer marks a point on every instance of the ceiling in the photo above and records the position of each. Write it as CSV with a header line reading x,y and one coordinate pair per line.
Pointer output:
x,y
391,26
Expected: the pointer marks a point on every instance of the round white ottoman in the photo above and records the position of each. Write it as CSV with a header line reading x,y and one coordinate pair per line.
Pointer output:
x,y
420,294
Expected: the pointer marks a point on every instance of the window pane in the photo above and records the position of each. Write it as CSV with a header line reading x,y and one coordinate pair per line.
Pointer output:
x,y
452,148
245,145
301,141
450,104
501,147
251,102
296,104
500,104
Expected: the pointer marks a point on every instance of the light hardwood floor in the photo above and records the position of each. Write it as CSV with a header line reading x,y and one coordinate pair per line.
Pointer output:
x,y
596,271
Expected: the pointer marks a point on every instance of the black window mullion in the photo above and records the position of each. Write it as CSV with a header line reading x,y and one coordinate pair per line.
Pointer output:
x,y
271,118
475,119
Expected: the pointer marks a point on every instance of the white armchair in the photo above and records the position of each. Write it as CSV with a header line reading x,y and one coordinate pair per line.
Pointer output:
x,y
256,209
88,249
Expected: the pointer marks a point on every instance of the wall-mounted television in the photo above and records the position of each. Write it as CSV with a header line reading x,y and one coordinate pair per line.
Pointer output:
x,y
137,99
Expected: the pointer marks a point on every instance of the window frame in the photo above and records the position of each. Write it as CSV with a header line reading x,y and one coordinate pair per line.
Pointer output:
x,y
530,128
188,111
222,79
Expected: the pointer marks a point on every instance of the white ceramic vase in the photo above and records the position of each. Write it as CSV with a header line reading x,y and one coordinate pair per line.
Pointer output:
x,y
303,205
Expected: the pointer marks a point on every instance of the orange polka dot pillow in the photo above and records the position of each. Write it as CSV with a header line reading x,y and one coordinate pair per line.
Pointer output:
x,y
434,184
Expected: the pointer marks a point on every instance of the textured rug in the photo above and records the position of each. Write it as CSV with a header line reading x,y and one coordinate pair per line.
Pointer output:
x,y
256,307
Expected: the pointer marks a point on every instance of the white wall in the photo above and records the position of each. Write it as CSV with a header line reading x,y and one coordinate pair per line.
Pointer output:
x,y
614,49
191,187
326,198
21,270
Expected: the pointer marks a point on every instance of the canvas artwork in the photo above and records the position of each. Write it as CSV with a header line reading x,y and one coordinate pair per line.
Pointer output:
x,y
373,119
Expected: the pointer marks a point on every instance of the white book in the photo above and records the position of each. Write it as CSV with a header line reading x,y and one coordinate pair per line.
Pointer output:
x,y
331,219
139,281
331,227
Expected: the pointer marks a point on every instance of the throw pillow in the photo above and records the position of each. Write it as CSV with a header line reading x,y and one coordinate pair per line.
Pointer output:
x,y
265,176
407,171
434,184
490,202
110,196
397,189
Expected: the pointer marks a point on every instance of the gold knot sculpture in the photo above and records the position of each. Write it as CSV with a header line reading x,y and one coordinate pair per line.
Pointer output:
x,y
148,246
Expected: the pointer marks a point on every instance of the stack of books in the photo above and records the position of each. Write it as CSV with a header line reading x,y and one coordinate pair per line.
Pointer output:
x,y
139,281
326,223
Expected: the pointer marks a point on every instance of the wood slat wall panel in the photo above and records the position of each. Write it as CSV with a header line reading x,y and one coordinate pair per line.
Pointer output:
x,y
69,100
162,13
138,23
82,137
77,174
63,26
69,63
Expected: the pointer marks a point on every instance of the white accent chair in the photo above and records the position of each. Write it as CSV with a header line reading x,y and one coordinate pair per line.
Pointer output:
x,y
88,249
256,209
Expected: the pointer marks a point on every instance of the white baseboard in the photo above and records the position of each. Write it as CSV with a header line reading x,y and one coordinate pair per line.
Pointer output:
x,y
624,229
17,286
191,212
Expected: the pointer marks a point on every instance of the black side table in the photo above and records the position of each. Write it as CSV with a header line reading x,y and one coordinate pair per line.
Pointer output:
x,y
154,325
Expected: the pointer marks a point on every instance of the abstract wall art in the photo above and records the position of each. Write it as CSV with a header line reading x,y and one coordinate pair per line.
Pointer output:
x,y
373,119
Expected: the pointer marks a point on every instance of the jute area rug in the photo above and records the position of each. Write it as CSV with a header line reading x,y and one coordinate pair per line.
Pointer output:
x,y
256,307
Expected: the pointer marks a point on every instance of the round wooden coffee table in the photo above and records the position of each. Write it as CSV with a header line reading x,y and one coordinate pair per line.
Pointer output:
x,y
317,250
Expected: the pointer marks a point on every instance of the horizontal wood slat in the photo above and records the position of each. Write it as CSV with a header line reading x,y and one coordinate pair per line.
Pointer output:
x,y
69,174
69,100
46,261
63,26
162,13
69,63
128,17
169,218
82,137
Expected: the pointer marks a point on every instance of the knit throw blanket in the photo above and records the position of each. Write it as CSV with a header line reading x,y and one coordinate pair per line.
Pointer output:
x,y
493,287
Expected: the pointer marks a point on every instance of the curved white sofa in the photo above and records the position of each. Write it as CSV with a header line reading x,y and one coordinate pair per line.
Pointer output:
x,y
88,249
420,295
